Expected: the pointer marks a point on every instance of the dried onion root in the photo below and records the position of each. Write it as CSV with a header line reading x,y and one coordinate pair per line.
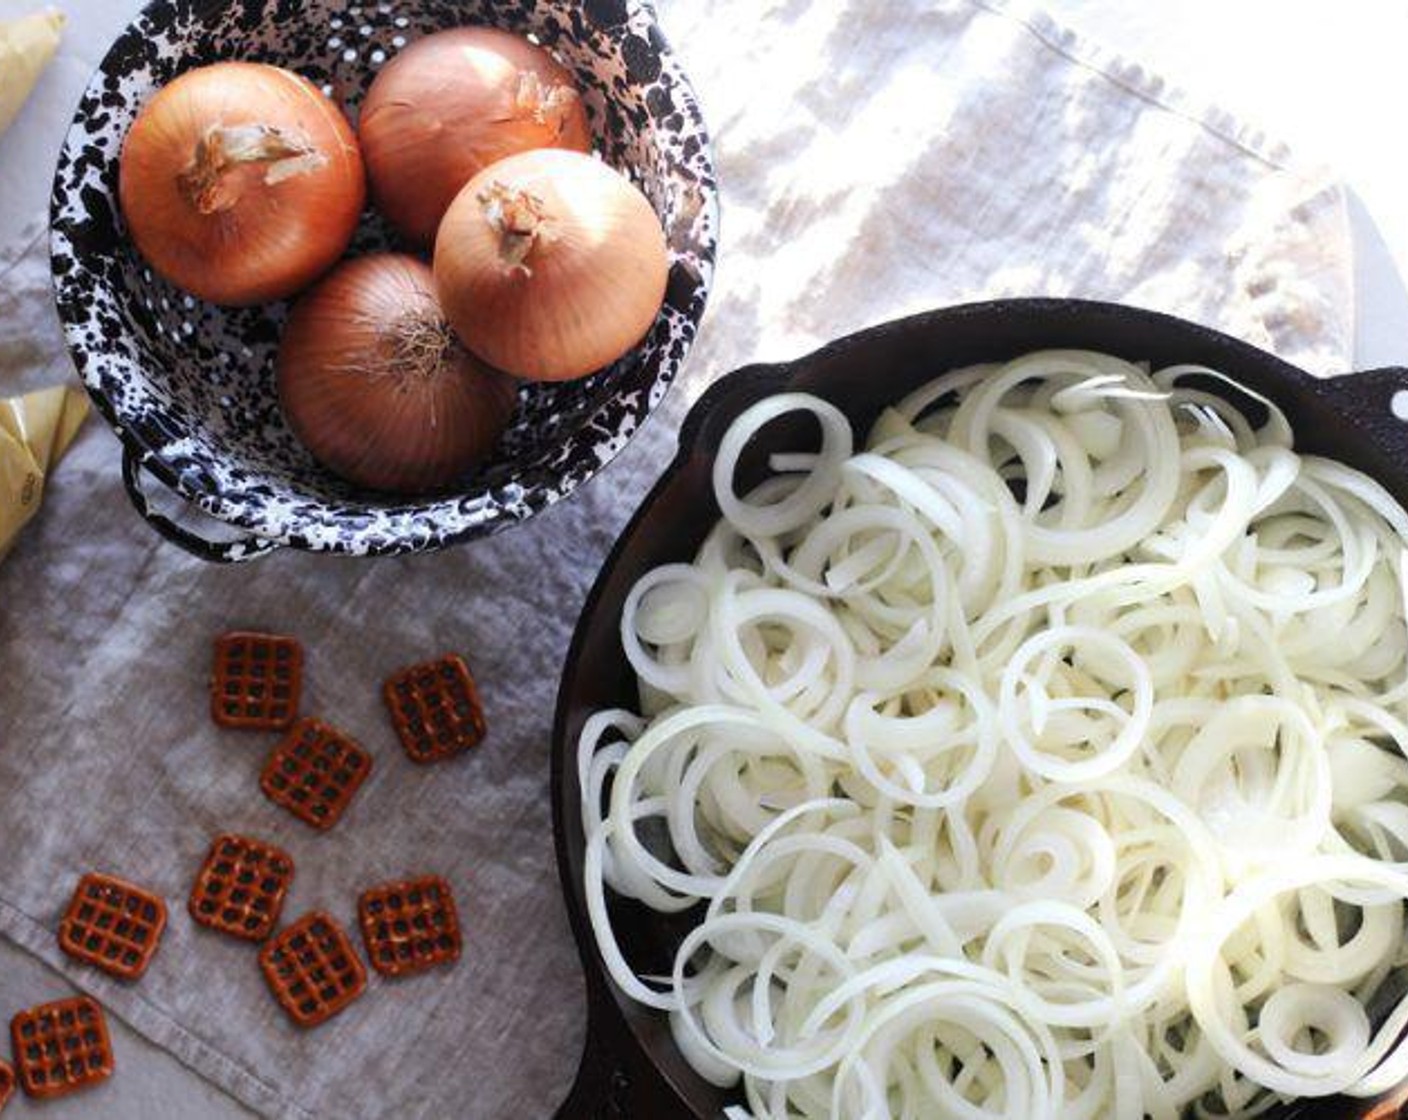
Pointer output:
x,y
1044,758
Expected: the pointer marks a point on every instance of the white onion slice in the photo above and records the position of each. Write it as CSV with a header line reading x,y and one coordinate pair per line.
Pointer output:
x,y
1045,759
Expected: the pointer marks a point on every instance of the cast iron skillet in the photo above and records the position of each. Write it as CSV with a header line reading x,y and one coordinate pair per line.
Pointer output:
x,y
631,1067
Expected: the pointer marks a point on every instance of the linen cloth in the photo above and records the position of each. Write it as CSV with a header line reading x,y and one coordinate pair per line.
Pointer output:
x,y
875,158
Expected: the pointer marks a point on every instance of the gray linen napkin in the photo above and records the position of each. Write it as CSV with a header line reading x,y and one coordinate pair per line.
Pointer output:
x,y
875,159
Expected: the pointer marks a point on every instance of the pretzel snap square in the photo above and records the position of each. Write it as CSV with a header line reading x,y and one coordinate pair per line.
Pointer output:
x,y
61,1047
241,886
113,925
409,926
435,708
256,681
314,772
312,969
7,1083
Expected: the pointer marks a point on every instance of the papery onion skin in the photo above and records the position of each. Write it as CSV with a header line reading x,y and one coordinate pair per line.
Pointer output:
x,y
551,264
254,231
451,104
375,385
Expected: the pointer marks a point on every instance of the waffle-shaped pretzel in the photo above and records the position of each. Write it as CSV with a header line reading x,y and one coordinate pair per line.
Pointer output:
x,y
409,925
435,708
312,969
241,886
112,924
314,772
256,681
61,1047
7,1083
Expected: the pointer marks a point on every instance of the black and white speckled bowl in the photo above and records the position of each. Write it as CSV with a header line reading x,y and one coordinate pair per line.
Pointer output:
x,y
189,387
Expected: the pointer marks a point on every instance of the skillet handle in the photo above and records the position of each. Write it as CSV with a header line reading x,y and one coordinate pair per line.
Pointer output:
x,y
603,1087
1376,402
616,1079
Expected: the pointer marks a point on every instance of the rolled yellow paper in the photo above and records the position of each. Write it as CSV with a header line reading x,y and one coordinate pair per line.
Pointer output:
x,y
35,431
26,46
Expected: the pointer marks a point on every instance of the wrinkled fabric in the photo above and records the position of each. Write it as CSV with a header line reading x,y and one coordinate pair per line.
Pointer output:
x,y
875,159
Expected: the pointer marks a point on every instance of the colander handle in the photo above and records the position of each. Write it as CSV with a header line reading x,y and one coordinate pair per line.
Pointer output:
x,y
248,547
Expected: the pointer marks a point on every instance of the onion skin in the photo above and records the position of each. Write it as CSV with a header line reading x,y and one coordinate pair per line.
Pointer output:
x,y
374,384
451,104
551,264
241,233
